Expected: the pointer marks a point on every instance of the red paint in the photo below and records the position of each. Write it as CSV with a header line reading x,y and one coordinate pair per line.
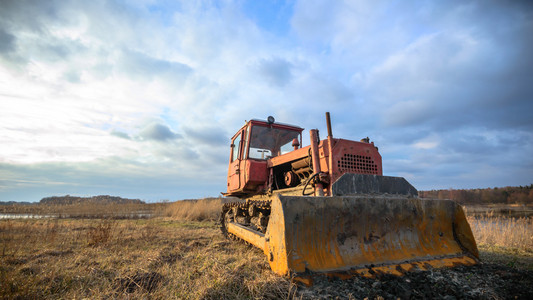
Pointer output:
x,y
248,174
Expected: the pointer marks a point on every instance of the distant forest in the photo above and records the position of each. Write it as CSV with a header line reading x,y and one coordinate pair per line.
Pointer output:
x,y
508,195
504,195
104,199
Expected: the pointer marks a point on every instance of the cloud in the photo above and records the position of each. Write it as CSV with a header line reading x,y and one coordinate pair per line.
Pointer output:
x,y
443,88
7,42
139,65
111,176
28,14
456,83
207,135
158,132
457,71
120,134
275,71
449,56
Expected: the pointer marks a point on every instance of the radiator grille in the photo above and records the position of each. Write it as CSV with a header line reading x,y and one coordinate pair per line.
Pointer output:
x,y
361,164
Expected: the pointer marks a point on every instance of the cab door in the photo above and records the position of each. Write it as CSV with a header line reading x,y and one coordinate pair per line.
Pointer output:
x,y
234,171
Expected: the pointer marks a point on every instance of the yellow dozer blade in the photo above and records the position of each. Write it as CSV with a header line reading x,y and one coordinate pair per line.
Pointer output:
x,y
363,234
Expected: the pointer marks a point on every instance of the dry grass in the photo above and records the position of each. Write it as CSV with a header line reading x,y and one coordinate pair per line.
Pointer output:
x,y
194,210
503,239
174,256
503,231
85,210
156,258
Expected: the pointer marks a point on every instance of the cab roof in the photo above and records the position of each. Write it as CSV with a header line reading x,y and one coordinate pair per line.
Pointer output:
x,y
265,123
277,123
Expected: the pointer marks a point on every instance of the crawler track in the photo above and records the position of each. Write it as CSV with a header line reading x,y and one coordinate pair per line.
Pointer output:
x,y
252,213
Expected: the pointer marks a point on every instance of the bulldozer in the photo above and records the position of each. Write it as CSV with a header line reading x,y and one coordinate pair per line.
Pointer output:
x,y
328,208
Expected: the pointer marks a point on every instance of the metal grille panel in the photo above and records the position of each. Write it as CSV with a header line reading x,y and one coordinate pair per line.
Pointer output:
x,y
361,164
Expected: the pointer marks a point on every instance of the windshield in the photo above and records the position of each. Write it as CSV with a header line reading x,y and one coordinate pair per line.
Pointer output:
x,y
266,142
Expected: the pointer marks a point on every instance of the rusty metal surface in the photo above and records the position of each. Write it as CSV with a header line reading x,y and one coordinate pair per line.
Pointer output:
x,y
251,236
395,269
328,125
313,134
248,176
255,173
358,155
328,234
369,223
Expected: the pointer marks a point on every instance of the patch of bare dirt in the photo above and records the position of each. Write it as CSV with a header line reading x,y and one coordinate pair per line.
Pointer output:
x,y
483,281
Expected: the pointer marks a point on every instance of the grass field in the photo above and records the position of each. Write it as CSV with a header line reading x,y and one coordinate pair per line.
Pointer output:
x,y
178,253
504,240
80,258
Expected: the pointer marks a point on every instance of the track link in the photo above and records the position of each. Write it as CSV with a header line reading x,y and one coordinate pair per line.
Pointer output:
x,y
252,213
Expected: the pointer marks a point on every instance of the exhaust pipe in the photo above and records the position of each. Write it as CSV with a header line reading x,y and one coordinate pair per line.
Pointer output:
x,y
330,148
319,188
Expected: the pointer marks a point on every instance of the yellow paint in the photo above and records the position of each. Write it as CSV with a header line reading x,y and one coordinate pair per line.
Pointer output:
x,y
350,233
248,235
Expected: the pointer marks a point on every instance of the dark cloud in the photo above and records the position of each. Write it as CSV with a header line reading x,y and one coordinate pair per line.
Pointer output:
x,y
28,14
474,145
441,65
276,71
139,65
158,132
448,83
120,134
183,152
207,135
7,42
461,159
443,87
36,31
400,136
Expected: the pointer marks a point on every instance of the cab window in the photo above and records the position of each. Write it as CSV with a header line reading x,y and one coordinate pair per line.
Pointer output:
x,y
236,148
267,142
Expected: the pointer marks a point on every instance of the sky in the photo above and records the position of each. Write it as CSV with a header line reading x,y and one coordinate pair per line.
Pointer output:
x,y
139,98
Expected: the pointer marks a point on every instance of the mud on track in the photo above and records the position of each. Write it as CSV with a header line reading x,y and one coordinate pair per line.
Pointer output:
x,y
483,281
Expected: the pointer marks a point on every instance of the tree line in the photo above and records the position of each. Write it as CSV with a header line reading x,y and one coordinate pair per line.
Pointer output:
x,y
105,199
508,195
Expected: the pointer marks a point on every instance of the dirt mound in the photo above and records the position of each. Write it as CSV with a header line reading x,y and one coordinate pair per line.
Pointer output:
x,y
483,281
